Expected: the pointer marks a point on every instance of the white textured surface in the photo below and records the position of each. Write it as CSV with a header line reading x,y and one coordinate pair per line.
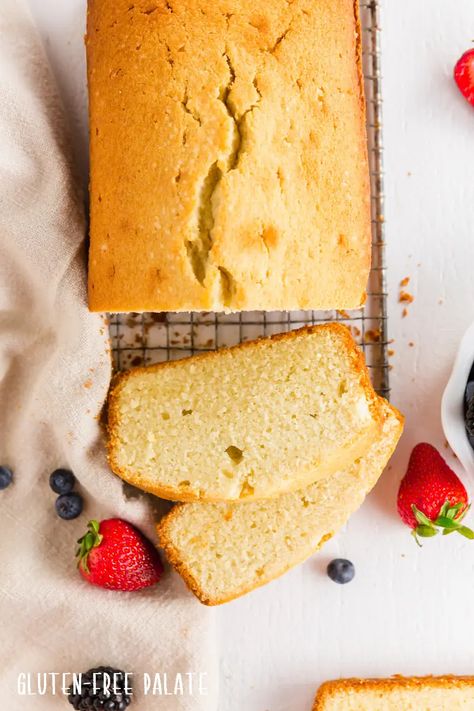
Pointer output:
x,y
408,610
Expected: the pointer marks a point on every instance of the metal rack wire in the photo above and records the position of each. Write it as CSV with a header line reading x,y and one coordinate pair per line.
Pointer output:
x,y
139,339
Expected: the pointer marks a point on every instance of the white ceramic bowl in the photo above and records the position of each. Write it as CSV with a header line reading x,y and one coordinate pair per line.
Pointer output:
x,y
452,403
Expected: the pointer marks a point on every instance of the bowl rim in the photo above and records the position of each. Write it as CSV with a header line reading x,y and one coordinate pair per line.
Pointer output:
x,y
452,402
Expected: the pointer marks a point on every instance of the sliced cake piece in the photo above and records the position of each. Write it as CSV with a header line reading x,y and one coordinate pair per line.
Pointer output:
x,y
252,421
225,550
426,693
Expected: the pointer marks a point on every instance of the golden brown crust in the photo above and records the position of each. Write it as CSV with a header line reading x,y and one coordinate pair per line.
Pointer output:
x,y
227,105
326,690
172,494
358,49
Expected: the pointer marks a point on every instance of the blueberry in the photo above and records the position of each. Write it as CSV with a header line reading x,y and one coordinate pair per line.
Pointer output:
x,y
69,506
6,477
341,570
62,481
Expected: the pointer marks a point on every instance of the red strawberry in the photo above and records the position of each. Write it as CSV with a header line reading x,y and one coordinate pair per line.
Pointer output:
x,y
464,75
115,555
431,497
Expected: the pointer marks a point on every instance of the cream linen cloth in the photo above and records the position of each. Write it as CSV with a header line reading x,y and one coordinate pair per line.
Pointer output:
x,y
54,375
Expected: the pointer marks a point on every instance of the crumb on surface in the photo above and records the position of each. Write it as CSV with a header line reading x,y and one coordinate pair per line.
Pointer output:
x,y
87,384
373,335
390,352
405,297
411,344
404,313
405,281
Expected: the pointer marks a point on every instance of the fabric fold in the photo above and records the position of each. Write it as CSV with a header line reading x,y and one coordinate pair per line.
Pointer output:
x,y
55,369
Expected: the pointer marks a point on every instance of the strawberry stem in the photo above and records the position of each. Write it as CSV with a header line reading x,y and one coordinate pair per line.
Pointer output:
x,y
448,521
91,539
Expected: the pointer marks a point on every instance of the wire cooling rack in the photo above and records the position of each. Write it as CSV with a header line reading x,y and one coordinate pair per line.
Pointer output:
x,y
142,339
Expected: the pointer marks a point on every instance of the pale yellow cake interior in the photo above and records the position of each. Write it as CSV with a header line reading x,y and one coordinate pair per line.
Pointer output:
x,y
224,550
254,421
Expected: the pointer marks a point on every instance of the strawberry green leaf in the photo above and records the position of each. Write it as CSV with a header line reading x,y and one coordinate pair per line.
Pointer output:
x,y
450,526
460,518
466,532
446,522
91,539
454,510
94,526
425,531
421,518
444,510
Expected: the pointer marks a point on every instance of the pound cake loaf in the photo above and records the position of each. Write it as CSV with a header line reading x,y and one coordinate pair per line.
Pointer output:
x,y
228,155
225,550
252,421
425,693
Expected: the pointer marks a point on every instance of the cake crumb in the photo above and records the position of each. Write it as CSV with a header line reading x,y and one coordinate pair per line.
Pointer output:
x,y
405,281
373,335
390,352
404,313
87,384
405,297
411,344
343,314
